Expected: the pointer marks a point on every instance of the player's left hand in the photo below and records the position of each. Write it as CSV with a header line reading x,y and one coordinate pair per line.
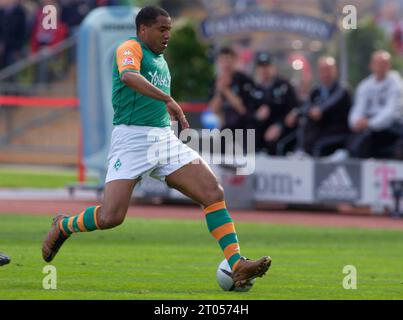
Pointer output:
x,y
176,111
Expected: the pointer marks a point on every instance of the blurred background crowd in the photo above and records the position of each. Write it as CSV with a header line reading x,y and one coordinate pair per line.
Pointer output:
x,y
21,30
339,97
328,122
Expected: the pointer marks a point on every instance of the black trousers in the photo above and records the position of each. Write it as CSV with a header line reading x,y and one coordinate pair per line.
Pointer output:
x,y
376,144
272,147
319,139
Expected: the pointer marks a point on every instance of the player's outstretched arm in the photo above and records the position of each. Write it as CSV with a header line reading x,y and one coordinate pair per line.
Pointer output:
x,y
141,85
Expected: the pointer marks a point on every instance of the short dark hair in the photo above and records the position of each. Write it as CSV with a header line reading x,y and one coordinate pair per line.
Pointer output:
x,y
148,15
227,51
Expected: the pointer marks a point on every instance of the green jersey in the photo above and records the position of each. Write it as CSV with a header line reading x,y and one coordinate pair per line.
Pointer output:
x,y
131,107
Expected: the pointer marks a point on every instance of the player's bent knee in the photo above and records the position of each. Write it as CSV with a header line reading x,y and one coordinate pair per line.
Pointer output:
x,y
214,194
110,219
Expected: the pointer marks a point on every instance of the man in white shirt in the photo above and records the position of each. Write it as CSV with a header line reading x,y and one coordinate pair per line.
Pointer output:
x,y
377,109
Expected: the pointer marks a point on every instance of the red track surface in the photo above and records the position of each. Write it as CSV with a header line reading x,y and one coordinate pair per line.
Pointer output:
x,y
72,102
193,212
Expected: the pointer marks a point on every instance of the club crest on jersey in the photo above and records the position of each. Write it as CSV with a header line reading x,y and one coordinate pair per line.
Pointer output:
x,y
128,61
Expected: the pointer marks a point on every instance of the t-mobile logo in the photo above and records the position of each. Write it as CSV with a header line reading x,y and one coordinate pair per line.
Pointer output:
x,y
384,174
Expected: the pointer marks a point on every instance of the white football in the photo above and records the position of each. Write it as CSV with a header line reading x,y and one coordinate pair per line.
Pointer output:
x,y
225,280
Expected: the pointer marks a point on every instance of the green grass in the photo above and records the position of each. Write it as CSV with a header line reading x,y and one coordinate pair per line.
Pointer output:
x,y
25,178
173,259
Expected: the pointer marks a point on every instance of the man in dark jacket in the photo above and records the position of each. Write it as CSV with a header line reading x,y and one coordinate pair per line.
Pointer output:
x,y
231,96
12,32
274,97
324,118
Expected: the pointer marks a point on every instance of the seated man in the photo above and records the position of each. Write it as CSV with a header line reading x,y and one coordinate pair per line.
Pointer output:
x,y
377,111
231,96
274,99
324,123
231,93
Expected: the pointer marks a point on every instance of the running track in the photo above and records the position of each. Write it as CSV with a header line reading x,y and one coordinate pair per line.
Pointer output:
x,y
41,207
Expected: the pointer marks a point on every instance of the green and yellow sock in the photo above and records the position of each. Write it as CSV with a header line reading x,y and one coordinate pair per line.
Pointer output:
x,y
221,226
83,222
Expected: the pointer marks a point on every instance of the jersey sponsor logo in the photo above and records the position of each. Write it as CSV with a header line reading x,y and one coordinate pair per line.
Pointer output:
x,y
159,80
128,61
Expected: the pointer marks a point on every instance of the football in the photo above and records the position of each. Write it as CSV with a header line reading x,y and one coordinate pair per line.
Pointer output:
x,y
4,259
225,281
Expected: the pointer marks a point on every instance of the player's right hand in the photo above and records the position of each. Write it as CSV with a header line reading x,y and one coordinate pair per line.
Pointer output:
x,y
176,111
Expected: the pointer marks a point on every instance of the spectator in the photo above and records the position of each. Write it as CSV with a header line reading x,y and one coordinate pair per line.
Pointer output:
x,y
30,8
275,98
325,127
377,113
231,97
12,32
46,38
42,37
74,11
388,17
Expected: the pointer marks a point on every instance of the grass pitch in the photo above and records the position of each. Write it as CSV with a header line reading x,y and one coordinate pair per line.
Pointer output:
x,y
31,178
174,259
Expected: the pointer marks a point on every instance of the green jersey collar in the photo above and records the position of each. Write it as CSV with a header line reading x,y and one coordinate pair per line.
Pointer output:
x,y
143,44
